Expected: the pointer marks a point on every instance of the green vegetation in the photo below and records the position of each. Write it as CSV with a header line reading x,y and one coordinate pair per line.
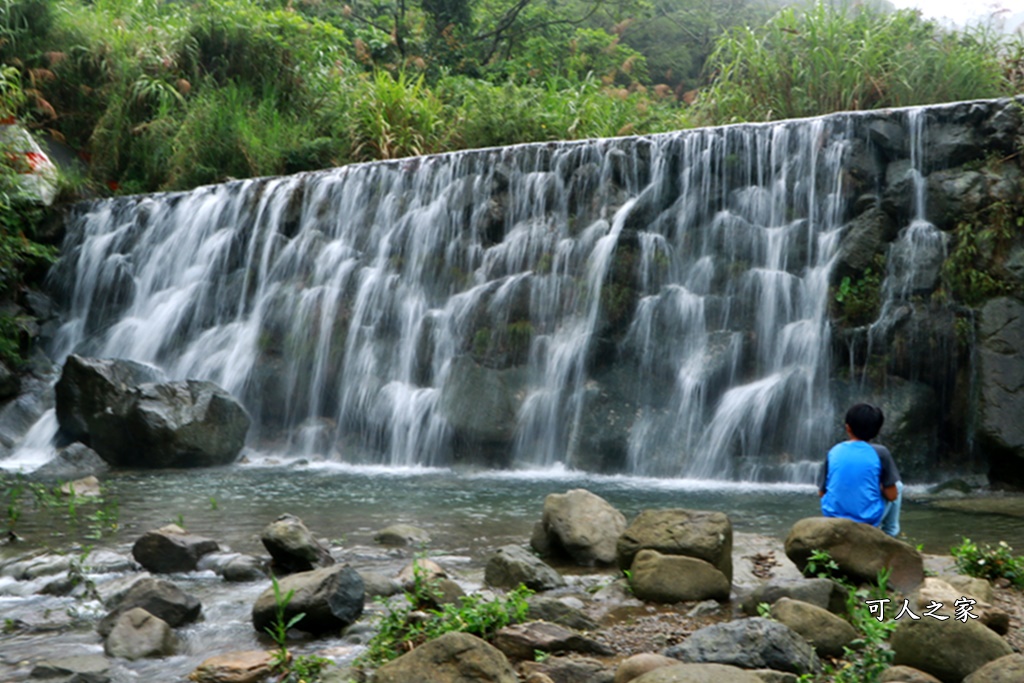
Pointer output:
x,y
869,655
289,668
975,269
856,301
828,59
403,627
57,504
987,562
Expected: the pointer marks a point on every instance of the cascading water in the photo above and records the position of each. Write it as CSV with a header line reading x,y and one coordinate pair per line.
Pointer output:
x,y
655,306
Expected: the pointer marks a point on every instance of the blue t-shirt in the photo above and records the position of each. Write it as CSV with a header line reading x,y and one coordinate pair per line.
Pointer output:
x,y
853,479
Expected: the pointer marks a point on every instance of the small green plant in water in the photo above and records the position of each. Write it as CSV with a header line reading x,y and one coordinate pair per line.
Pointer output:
x,y
289,669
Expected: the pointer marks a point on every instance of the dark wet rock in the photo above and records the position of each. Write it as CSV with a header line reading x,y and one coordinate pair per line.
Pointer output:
x,y
512,565
137,634
949,650
158,597
582,526
558,611
72,462
292,546
10,382
171,549
234,567
331,599
676,578
521,641
1001,384
860,551
693,533
753,643
452,658
866,236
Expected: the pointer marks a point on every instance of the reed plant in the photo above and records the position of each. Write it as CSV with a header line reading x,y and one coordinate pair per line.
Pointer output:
x,y
397,116
833,59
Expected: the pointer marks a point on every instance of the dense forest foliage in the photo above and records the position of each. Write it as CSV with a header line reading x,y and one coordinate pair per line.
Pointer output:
x,y
157,94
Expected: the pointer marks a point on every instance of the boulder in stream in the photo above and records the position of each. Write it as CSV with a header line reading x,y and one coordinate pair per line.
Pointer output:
x,y
330,598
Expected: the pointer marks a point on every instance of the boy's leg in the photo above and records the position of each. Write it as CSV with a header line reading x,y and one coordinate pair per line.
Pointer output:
x,y
890,523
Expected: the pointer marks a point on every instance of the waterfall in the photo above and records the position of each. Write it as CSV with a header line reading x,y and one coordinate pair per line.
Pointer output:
x,y
655,306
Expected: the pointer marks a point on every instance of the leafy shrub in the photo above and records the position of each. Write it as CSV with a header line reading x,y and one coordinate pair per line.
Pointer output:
x,y
407,626
988,562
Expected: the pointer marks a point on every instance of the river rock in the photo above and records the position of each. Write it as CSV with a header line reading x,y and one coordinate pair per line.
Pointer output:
x,y
676,578
582,526
698,673
131,418
827,633
171,549
72,462
451,658
1000,431
638,665
377,584
694,533
860,550
906,674
250,666
823,593
512,565
420,571
402,535
80,669
933,590
89,386
331,599
138,634
753,643
970,585
521,641
567,669
1007,669
160,598
560,611
234,567
949,650
292,547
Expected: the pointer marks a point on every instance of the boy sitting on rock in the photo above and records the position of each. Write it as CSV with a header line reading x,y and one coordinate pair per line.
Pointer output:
x,y
860,481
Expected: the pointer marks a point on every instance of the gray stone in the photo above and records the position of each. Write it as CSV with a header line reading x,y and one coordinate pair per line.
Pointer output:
x,y
521,641
676,578
753,643
81,669
1001,388
402,535
1006,669
292,546
826,632
567,669
934,590
379,585
481,404
694,533
158,597
698,673
949,650
637,665
10,383
558,611
330,598
250,666
865,237
823,593
583,526
234,567
512,565
171,549
72,462
451,658
137,634
860,550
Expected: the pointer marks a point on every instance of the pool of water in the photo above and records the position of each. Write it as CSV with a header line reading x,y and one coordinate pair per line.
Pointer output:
x,y
468,515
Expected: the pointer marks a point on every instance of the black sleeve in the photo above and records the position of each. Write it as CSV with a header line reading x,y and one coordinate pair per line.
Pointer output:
x,y
890,473
823,477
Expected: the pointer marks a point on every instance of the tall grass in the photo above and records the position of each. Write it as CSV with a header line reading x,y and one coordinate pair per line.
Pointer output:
x,y
828,59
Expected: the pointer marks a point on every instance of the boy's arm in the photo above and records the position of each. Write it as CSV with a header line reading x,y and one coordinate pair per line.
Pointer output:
x,y
890,493
823,478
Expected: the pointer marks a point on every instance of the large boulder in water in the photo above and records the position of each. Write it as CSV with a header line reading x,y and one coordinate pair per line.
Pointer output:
x,y
329,600
581,525
694,533
103,404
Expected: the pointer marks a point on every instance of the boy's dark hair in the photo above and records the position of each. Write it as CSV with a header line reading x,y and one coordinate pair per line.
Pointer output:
x,y
865,421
